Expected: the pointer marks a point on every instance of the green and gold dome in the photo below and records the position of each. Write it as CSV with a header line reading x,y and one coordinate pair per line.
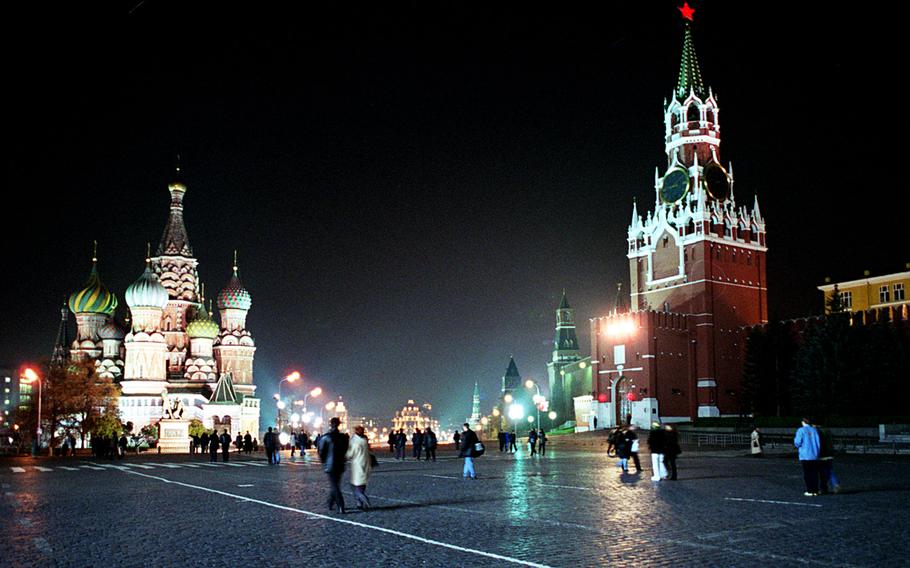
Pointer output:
x,y
202,325
94,297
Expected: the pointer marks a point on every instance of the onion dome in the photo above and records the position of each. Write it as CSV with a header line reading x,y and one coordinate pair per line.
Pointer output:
x,y
94,297
147,291
111,330
234,295
202,325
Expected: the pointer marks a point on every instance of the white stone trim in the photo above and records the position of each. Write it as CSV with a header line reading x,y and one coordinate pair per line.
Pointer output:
x,y
754,287
706,383
708,411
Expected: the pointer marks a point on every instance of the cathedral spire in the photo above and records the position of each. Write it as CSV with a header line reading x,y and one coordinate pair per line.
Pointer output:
x,y
59,356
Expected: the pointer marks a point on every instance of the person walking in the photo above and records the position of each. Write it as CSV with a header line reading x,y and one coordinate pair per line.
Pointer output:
x,y
808,444
213,448
513,446
122,444
391,442
204,443
622,444
468,451
755,443
634,443
72,445
429,443
269,442
238,443
247,443
671,450
294,443
400,442
225,445
657,444
501,437
827,479
361,462
542,442
532,441
333,446
417,442
457,438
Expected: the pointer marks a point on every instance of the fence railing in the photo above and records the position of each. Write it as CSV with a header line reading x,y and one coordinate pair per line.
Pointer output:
x,y
859,444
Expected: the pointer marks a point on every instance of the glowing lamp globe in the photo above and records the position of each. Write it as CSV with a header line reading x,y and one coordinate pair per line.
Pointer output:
x,y
516,412
281,405
295,417
530,419
284,438
508,398
602,397
552,415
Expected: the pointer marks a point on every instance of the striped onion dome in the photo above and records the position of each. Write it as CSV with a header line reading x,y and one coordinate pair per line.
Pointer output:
x,y
147,291
94,297
111,330
234,295
202,324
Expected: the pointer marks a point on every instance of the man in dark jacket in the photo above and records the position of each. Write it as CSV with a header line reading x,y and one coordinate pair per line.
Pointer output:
x,y
671,450
468,440
269,442
225,445
429,443
457,439
204,446
400,440
332,448
213,447
417,441
657,443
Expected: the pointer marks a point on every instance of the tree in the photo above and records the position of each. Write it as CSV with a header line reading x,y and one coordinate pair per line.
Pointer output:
x,y
78,399
196,427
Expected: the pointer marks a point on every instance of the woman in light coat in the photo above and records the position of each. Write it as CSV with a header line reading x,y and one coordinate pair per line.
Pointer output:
x,y
360,459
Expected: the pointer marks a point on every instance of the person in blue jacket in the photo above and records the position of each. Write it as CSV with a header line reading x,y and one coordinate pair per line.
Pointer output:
x,y
808,444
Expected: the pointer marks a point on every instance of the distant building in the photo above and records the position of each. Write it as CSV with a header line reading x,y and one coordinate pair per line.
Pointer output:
x,y
411,417
9,383
871,292
565,352
475,408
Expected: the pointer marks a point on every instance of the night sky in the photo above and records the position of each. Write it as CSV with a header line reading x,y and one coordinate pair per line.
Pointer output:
x,y
410,186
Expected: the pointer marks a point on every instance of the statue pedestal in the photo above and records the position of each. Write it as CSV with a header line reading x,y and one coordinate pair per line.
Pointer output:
x,y
174,436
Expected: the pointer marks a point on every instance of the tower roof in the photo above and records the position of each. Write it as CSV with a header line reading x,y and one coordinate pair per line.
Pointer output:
x,y
512,371
476,391
175,241
147,291
564,303
224,391
689,72
60,354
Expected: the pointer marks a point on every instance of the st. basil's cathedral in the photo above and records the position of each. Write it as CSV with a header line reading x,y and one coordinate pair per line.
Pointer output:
x,y
170,348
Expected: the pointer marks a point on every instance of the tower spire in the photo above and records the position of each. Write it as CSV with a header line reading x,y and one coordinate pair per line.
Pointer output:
x,y
175,241
59,356
689,72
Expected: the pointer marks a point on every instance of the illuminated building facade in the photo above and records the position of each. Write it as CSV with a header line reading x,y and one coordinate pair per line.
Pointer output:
x,y
697,271
170,346
411,417
872,292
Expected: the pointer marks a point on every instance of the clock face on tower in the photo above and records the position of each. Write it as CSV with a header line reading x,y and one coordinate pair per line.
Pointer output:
x,y
675,185
717,181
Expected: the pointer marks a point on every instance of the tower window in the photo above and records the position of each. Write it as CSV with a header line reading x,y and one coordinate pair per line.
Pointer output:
x,y
899,292
846,299
693,114
709,115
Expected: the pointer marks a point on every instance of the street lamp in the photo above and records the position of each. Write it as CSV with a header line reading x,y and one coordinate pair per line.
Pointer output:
x,y
314,393
31,377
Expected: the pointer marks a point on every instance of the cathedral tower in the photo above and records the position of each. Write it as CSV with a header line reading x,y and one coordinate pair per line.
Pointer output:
x,y
93,305
235,347
145,372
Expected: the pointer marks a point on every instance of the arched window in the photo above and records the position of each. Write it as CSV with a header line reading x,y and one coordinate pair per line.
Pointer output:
x,y
709,115
693,114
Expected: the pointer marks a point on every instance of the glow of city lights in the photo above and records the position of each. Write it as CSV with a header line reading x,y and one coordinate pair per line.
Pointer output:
x,y
281,405
293,376
330,405
307,417
496,412
552,415
508,398
30,374
284,438
529,384
538,398
295,417
516,411
316,391
317,423
530,419
484,420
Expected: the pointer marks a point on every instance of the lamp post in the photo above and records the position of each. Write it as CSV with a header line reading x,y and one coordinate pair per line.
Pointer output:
x,y
33,377
314,393
279,403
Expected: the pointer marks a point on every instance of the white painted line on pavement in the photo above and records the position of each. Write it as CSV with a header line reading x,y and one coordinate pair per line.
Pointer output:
x,y
213,464
41,468
772,502
233,464
94,467
190,465
257,464
566,486
246,485
140,466
68,468
167,465
347,522
18,469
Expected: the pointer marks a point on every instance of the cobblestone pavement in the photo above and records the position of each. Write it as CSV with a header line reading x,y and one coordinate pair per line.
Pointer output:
x,y
570,508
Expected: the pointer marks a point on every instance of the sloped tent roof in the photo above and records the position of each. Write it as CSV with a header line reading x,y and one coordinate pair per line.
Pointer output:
x,y
224,391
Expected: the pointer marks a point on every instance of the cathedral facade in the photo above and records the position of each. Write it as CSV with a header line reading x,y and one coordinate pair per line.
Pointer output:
x,y
170,352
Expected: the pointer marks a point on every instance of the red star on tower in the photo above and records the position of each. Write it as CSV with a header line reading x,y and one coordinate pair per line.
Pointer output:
x,y
687,11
